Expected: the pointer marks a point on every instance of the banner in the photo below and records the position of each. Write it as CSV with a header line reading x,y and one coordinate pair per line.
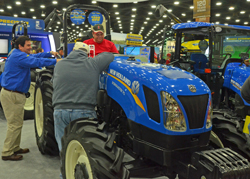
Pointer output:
x,y
7,22
134,40
202,8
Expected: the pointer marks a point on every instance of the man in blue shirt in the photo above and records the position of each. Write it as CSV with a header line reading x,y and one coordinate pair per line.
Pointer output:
x,y
15,83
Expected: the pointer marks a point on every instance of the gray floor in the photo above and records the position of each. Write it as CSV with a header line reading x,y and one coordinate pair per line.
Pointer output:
x,y
34,165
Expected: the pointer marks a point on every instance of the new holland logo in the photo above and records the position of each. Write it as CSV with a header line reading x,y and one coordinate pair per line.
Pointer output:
x,y
135,87
192,88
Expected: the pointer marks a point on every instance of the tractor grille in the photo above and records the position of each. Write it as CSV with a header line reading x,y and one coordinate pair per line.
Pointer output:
x,y
195,107
152,104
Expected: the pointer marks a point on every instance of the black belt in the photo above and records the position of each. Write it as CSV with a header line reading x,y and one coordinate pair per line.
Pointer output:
x,y
13,91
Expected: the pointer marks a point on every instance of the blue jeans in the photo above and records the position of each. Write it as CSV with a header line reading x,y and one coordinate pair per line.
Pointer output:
x,y
62,117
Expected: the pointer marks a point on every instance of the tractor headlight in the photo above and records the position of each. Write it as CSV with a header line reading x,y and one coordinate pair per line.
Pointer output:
x,y
209,115
173,116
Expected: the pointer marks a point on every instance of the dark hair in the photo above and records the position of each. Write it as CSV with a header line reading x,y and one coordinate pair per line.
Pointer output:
x,y
38,50
21,41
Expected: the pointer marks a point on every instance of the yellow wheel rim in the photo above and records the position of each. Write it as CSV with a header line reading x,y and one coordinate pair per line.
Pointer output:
x,y
39,112
75,154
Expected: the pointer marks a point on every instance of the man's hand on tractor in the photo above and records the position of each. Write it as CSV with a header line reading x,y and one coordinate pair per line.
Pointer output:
x,y
53,53
57,60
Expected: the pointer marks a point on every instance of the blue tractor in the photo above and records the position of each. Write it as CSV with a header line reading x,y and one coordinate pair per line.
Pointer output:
x,y
220,64
153,120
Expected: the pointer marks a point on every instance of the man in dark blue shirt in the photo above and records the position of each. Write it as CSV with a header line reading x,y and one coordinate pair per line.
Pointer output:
x,y
15,83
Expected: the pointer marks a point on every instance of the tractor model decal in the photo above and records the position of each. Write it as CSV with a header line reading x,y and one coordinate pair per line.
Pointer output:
x,y
137,100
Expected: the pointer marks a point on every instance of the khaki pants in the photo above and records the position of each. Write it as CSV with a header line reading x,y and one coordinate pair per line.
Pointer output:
x,y
13,108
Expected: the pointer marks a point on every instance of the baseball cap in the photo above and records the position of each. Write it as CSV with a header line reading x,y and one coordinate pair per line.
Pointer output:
x,y
81,46
98,28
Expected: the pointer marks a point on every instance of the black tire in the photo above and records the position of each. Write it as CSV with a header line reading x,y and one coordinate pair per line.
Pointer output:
x,y
92,141
44,121
226,129
29,105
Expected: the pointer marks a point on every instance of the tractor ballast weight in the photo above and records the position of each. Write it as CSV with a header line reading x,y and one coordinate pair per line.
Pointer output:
x,y
149,112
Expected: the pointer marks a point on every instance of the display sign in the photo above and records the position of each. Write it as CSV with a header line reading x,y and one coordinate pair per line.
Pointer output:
x,y
6,23
95,17
134,40
77,16
201,8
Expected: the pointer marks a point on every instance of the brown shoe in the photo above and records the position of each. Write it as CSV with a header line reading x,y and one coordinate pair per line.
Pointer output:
x,y
13,157
22,151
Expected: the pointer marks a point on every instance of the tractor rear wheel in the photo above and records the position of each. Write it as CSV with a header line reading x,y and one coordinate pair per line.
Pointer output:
x,y
89,151
44,121
226,129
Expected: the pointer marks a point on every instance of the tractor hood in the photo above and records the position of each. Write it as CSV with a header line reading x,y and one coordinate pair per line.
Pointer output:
x,y
240,74
158,77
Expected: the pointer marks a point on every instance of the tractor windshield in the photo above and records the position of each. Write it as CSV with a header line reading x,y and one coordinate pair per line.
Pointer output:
x,y
230,42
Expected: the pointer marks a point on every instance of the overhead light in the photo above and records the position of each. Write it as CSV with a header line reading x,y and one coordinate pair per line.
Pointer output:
x,y
226,24
183,14
18,3
9,7
242,12
93,2
73,24
119,24
135,2
153,6
237,20
50,27
218,3
189,21
191,7
147,18
86,25
157,24
245,23
176,2
120,27
172,23
217,15
231,8
1,10
145,22
115,5
228,18
23,12
150,13
217,22
57,26
32,10
133,16
58,22
42,6
55,29
34,17
64,9
54,2
134,9
15,15
164,16
116,12
132,20
160,20
117,17
43,15
169,10
132,23
119,21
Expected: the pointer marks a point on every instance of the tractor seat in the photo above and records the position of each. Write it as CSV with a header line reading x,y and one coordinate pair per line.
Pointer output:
x,y
200,62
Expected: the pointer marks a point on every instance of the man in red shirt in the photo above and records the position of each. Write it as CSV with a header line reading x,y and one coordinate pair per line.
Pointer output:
x,y
98,44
